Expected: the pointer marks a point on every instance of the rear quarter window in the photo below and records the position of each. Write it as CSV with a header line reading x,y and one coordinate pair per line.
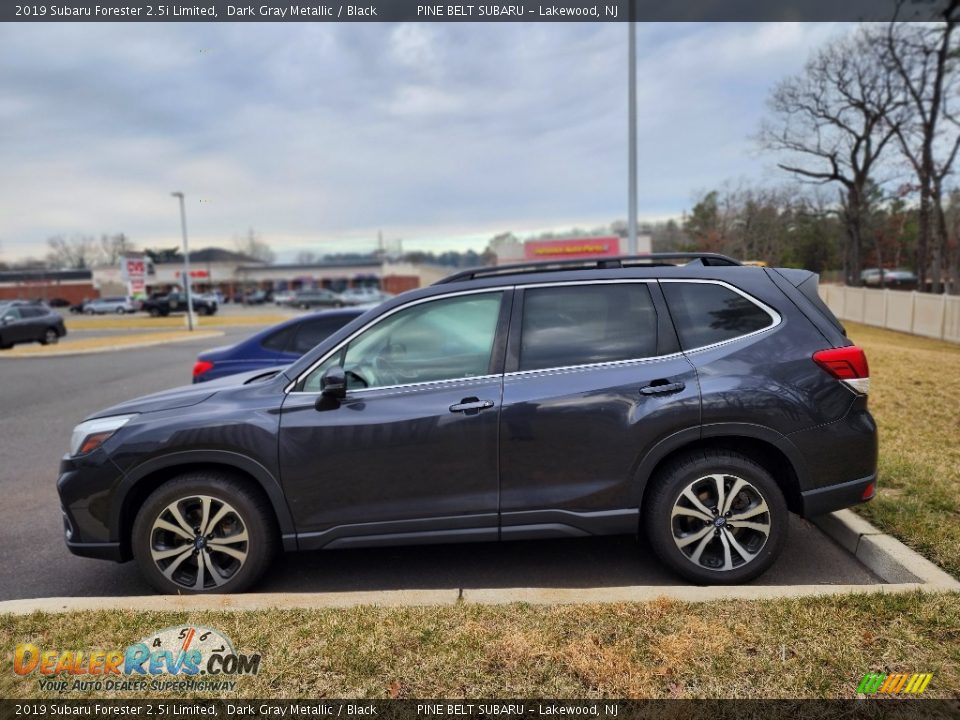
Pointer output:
x,y
708,313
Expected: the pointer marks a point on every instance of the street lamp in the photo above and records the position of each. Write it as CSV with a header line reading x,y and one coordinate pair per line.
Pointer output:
x,y
632,132
186,260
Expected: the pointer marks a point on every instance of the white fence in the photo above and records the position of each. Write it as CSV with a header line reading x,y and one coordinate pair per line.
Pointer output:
x,y
936,316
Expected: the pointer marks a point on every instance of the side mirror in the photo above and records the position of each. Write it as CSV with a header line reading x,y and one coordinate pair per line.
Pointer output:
x,y
333,384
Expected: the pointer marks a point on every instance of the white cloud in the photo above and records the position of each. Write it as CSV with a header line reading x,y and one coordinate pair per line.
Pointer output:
x,y
436,133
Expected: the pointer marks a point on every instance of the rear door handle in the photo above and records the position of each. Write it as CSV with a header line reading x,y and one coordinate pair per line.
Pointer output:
x,y
468,404
662,387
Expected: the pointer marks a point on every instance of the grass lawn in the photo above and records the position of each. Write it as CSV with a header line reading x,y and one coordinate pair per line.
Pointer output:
x,y
812,647
915,397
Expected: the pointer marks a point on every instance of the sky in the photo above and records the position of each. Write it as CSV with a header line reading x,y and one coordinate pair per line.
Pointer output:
x,y
320,135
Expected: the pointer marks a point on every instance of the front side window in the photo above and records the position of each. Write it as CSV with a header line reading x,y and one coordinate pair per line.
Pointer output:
x,y
708,313
441,339
585,324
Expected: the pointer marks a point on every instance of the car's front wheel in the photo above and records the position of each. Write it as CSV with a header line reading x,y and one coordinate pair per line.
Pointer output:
x,y
50,337
204,532
716,517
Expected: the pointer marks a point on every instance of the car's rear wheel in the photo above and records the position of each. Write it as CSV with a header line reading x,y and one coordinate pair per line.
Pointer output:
x,y
204,532
121,310
50,337
716,517
154,312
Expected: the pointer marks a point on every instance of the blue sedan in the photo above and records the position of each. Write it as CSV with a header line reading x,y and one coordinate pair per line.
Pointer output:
x,y
277,345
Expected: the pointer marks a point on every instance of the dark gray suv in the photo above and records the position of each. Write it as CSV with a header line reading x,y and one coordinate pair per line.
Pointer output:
x,y
682,396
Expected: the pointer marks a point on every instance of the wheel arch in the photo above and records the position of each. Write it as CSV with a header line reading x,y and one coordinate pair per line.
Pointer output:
x,y
141,481
769,448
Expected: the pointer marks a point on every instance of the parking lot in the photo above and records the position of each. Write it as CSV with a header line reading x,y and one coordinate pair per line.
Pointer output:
x,y
44,397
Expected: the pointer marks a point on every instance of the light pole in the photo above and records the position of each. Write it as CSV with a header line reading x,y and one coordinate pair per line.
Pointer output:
x,y
632,134
186,260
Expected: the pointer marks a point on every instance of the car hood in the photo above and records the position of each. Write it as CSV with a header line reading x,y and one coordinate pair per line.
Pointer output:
x,y
184,396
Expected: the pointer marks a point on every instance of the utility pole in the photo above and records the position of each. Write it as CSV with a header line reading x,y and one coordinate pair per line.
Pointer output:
x,y
632,133
186,260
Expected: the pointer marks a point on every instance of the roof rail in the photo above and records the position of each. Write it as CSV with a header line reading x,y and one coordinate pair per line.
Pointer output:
x,y
595,263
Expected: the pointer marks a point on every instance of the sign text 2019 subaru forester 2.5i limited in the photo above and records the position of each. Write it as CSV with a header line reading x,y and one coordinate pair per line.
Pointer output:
x,y
698,403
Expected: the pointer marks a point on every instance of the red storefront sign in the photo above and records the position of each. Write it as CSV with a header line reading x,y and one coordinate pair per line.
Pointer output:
x,y
571,249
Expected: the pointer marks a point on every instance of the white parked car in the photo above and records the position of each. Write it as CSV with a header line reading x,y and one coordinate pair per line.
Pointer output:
x,y
119,305
363,296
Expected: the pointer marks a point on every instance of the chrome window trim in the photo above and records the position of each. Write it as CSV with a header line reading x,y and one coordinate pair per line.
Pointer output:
x,y
593,366
289,388
775,317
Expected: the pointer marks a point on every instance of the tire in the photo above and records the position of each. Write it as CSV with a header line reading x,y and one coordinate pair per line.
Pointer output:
x,y
203,310
120,311
88,312
703,559
154,312
50,337
245,511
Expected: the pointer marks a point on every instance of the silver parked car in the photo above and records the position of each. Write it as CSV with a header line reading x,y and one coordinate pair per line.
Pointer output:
x,y
119,304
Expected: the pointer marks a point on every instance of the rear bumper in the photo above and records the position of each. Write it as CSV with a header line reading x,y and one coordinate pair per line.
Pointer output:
x,y
836,497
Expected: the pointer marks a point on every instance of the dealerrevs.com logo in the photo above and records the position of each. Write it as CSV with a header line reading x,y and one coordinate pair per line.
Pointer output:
x,y
181,658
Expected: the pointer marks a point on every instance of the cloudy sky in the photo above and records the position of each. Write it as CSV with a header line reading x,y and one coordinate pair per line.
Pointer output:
x,y
319,135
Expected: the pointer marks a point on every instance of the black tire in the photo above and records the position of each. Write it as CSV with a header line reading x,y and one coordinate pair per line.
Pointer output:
x,y
154,312
50,337
698,472
120,311
248,511
203,310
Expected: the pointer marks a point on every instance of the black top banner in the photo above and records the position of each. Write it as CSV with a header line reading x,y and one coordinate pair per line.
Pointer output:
x,y
435,11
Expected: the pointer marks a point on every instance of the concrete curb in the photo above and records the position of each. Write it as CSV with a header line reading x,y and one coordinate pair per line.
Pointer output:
x,y
480,596
903,570
883,554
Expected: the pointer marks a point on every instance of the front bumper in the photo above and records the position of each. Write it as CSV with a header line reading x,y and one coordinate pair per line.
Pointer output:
x,y
836,497
85,487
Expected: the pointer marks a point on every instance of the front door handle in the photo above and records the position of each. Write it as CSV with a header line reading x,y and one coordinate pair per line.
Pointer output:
x,y
471,404
660,387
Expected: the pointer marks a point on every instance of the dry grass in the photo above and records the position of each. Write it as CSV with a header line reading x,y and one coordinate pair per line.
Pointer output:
x,y
915,397
810,647
107,343
144,322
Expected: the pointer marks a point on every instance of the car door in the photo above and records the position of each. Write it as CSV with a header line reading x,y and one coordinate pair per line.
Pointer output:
x,y
410,454
14,329
594,379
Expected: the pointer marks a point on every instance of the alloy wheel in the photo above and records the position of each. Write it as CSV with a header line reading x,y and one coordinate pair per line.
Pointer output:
x,y
720,522
199,542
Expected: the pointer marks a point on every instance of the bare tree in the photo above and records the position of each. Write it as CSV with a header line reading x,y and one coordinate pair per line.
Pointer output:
x,y
832,123
78,252
307,257
113,247
923,59
253,245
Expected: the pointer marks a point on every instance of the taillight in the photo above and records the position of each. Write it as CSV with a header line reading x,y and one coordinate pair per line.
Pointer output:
x,y
848,365
200,367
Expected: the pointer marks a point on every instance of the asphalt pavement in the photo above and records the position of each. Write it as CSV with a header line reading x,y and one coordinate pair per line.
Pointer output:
x,y
41,399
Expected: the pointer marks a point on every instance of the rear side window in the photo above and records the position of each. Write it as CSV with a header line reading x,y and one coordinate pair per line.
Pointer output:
x,y
585,324
707,313
280,340
29,312
312,332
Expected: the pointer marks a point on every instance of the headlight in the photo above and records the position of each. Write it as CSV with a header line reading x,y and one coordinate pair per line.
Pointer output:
x,y
89,435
